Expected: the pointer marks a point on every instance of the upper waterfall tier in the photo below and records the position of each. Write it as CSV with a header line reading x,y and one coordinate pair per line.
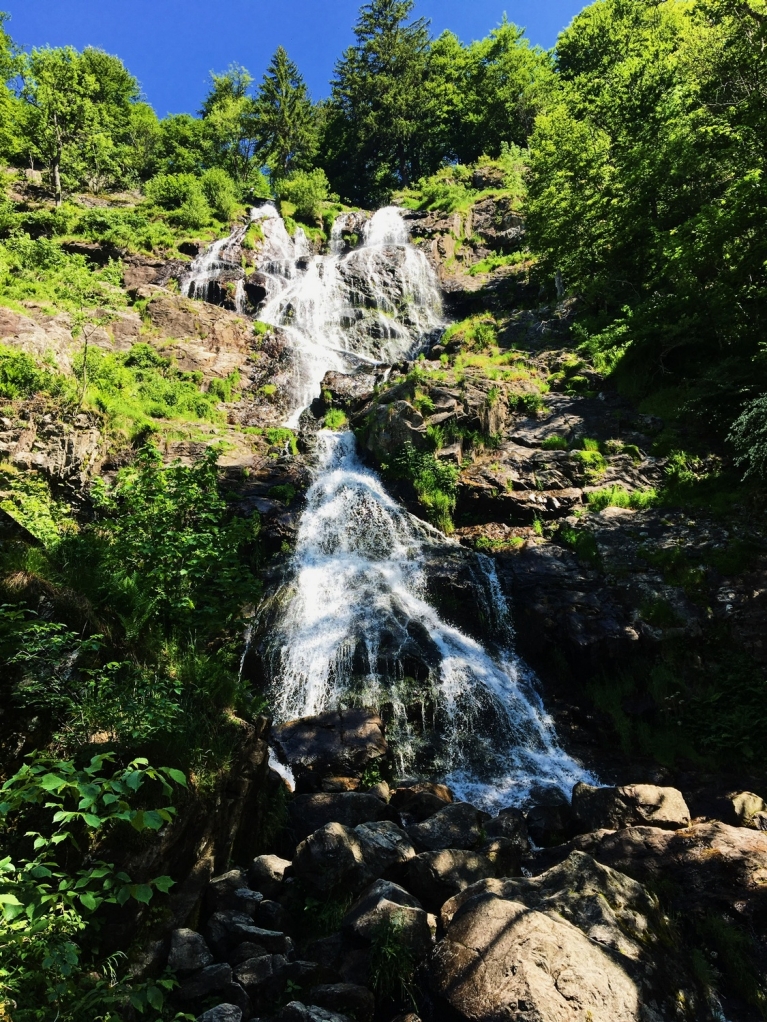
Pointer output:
x,y
378,303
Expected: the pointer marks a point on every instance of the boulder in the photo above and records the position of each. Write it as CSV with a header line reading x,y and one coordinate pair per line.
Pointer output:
x,y
297,1012
381,790
330,857
226,930
715,868
576,943
345,998
336,856
503,854
339,743
235,994
188,952
421,801
455,826
267,873
262,978
223,1013
220,894
245,951
211,980
511,825
310,812
433,877
746,806
551,825
630,806
270,915
385,904
385,847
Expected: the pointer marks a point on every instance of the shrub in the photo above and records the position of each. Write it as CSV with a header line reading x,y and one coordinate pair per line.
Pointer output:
x,y
171,191
335,419
306,190
749,437
21,377
619,496
221,192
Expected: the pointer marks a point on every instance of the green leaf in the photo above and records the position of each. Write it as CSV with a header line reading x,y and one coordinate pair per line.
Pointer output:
x,y
155,998
92,821
89,901
177,776
51,782
137,821
9,899
163,884
142,893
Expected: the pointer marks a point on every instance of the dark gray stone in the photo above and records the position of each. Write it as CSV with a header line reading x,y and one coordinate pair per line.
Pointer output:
x,y
267,873
456,826
188,952
309,813
210,980
345,998
433,877
387,904
223,1013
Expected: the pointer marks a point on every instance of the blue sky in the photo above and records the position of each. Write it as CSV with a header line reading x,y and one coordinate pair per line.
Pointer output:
x,y
171,45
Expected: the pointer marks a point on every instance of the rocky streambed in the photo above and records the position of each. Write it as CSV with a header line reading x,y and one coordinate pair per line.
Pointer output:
x,y
386,898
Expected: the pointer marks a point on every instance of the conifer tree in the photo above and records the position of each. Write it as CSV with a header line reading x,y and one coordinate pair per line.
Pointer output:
x,y
285,123
378,128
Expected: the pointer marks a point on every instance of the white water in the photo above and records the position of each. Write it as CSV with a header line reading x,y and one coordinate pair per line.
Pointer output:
x,y
223,256
376,304
357,586
356,621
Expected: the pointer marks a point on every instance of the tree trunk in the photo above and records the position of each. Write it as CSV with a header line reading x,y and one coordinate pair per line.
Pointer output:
x,y
56,171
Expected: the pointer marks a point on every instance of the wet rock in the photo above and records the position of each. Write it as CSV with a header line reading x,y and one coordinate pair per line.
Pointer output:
x,y
434,877
310,812
334,744
385,848
421,801
392,426
386,903
629,806
349,391
381,790
345,998
455,826
210,980
297,1012
267,873
577,942
223,1013
504,855
550,825
188,952
747,807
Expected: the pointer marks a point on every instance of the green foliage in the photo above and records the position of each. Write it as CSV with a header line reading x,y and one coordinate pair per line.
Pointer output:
x,y
392,964
555,443
183,196
478,333
286,124
28,501
170,557
583,544
221,193
336,419
283,438
495,262
40,271
434,482
646,186
619,496
284,492
749,437
21,376
50,884
306,191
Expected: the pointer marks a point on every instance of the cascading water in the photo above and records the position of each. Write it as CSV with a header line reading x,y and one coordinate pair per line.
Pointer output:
x,y
375,304
221,260
355,601
355,614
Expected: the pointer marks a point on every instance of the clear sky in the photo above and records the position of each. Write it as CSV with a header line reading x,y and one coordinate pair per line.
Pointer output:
x,y
171,45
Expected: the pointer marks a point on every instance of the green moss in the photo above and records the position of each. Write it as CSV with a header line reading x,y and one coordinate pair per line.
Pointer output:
x,y
335,419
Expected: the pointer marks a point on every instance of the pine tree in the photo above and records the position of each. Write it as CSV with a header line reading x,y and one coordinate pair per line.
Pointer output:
x,y
378,126
285,124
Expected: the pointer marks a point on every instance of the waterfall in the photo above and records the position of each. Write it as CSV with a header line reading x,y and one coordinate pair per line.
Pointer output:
x,y
356,626
374,305
355,604
221,260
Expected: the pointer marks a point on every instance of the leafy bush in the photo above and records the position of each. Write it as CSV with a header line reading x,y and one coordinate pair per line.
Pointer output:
x,y
619,496
171,191
306,190
749,437
50,885
221,192
434,482
39,270
21,376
